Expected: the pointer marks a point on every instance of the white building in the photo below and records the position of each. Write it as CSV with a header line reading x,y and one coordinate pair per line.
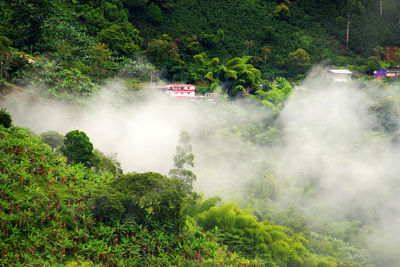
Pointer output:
x,y
340,75
181,90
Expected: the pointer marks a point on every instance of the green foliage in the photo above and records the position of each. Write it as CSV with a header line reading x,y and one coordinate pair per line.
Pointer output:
x,y
106,163
46,219
147,198
275,93
78,148
70,85
299,59
154,14
135,3
241,231
95,20
373,64
5,118
124,40
100,58
53,139
164,53
202,205
269,33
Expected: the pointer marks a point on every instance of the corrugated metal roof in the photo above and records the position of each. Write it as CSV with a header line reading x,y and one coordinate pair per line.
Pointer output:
x,y
340,71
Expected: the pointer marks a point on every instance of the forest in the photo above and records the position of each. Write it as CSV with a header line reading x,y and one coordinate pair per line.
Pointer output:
x,y
284,167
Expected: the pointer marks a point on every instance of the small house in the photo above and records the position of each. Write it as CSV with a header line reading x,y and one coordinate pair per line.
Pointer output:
x,y
339,75
181,90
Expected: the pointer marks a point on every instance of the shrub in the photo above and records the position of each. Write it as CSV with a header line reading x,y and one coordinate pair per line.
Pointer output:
x,y
5,118
146,198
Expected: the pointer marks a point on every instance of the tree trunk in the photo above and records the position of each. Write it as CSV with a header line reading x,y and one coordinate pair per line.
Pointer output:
x,y
347,31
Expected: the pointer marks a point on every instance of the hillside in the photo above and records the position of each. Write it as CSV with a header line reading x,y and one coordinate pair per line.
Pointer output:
x,y
190,41
56,213
283,167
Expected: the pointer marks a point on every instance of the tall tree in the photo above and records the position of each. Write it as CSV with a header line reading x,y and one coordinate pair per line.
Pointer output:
x,y
183,160
4,56
351,7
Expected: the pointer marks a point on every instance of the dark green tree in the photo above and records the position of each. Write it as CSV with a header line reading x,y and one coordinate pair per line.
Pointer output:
x,y
154,14
146,198
78,148
5,118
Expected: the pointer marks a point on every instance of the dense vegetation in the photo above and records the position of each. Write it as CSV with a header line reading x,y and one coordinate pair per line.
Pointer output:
x,y
54,212
71,46
64,202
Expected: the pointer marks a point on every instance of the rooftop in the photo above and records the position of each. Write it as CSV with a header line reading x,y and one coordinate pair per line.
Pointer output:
x,y
340,71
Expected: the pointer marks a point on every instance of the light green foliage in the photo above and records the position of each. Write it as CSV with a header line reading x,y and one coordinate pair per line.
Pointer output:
x,y
78,148
53,139
239,76
124,40
275,93
201,205
5,118
299,59
241,231
184,159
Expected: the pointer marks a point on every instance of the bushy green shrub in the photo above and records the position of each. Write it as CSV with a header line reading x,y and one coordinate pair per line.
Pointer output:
x,y
5,118
146,198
